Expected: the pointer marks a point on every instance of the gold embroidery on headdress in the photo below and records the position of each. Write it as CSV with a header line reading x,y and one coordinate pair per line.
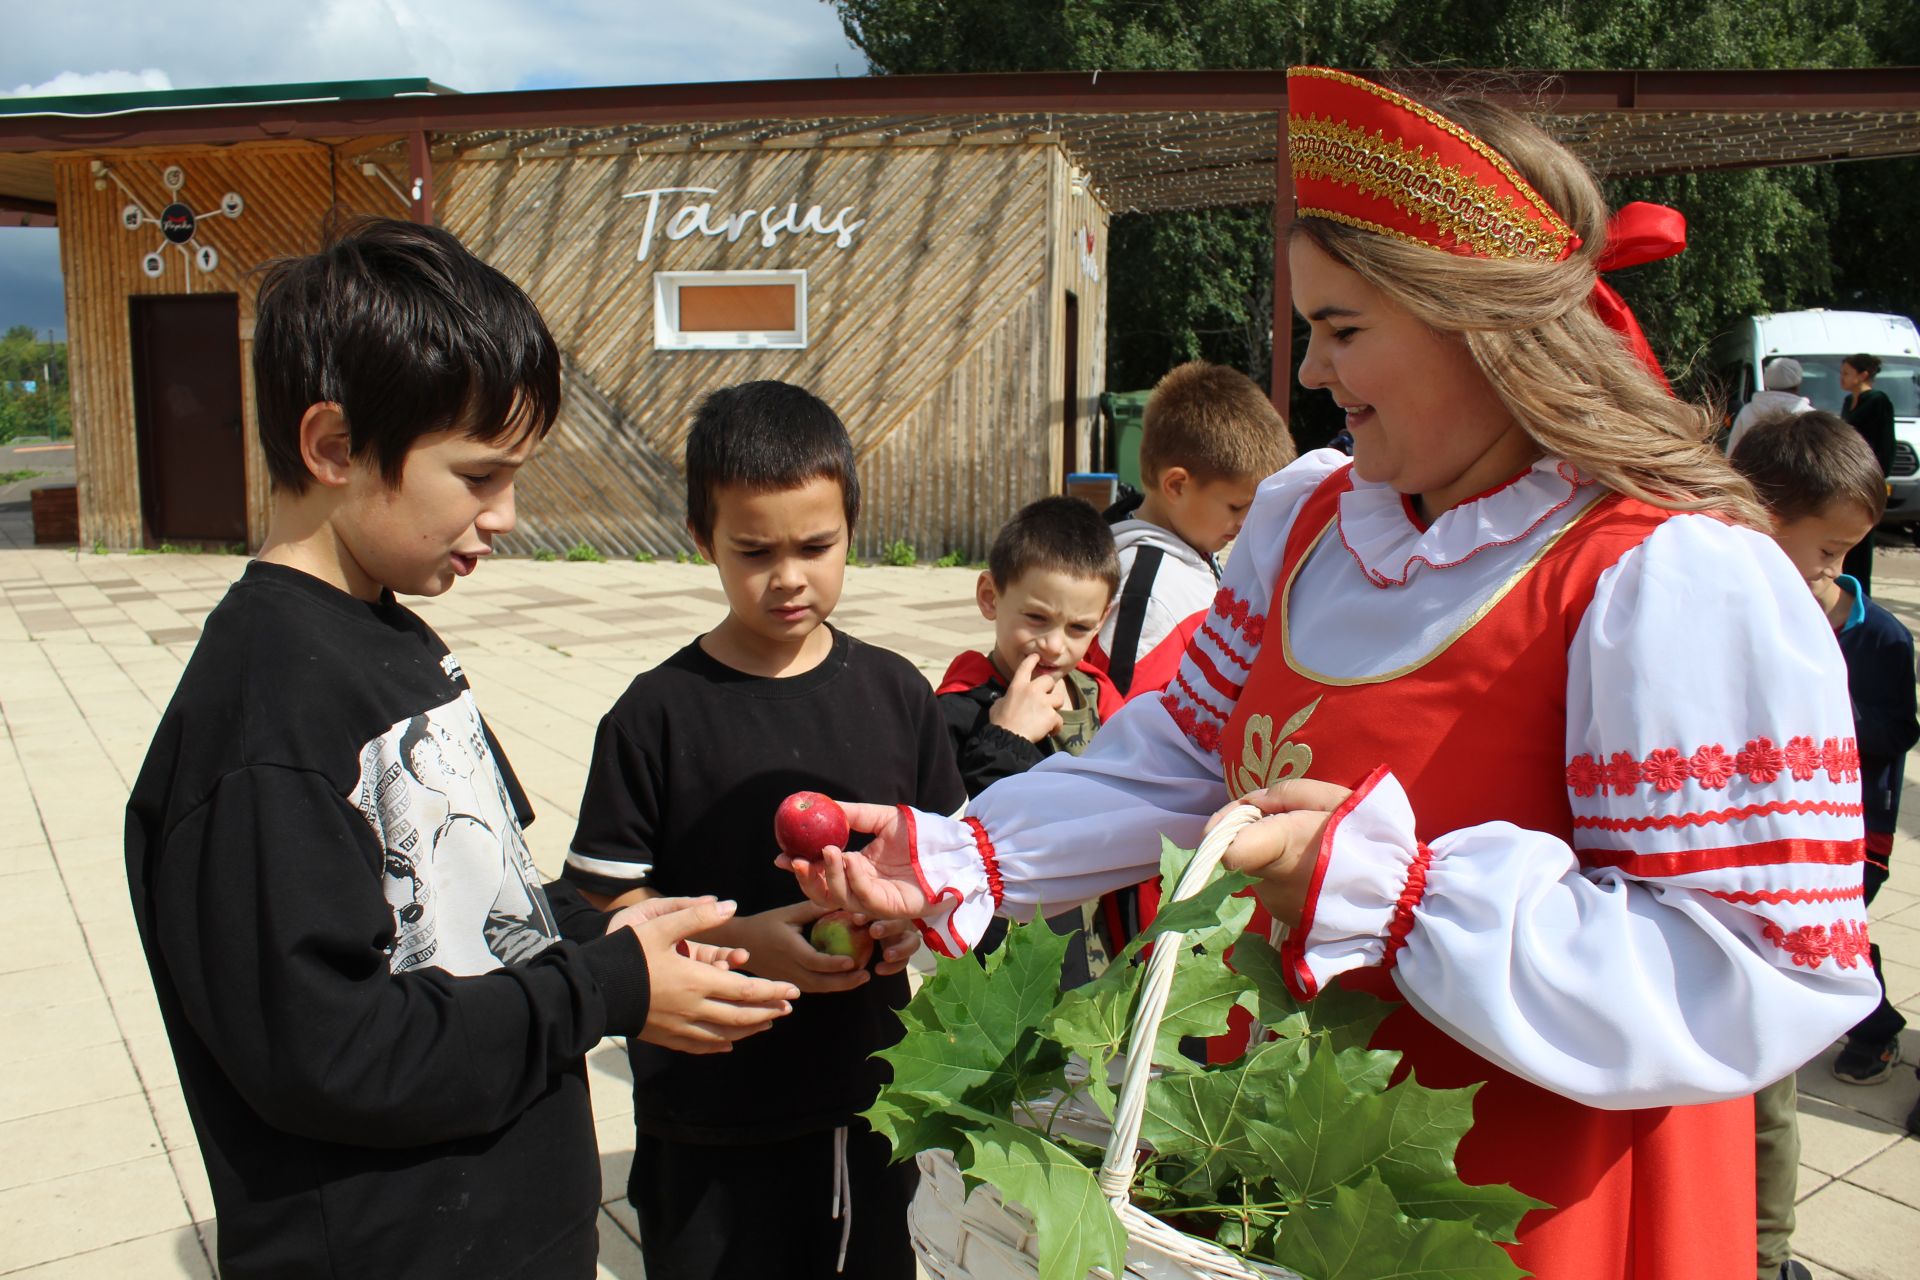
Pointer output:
x,y
1472,211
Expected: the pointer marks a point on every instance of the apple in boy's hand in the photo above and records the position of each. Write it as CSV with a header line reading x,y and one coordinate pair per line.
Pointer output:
x,y
807,822
836,934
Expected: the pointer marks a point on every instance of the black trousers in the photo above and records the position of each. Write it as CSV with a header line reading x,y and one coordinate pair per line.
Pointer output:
x,y
1886,1022
764,1211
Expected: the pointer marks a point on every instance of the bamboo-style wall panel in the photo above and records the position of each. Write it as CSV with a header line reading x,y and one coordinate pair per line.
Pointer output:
x,y
927,334
290,190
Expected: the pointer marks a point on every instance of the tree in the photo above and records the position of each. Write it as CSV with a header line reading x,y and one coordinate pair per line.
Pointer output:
x,y
1200,283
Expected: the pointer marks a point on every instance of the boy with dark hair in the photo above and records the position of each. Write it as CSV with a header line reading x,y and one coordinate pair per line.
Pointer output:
x,y
379,1014
1047,587
1209,437
739,1160
1825,491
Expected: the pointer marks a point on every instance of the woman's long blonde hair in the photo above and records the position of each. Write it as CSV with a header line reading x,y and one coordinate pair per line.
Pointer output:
x,y
1572,383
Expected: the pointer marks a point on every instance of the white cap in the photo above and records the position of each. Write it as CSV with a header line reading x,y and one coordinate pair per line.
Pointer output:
x,y
1783,374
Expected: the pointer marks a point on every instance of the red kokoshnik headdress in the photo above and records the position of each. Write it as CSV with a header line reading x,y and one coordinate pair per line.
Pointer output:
x,y
1371,158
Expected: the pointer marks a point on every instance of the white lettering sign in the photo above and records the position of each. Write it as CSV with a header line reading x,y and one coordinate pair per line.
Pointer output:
x,y
698,218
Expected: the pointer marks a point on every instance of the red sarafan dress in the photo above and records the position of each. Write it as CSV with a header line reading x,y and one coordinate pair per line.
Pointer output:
x,y
1604,841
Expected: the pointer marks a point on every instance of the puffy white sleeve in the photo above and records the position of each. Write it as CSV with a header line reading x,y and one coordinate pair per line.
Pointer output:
x,y
1705,933
1074,827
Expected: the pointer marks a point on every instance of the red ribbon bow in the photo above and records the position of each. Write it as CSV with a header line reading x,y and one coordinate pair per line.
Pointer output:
x,y
1637,233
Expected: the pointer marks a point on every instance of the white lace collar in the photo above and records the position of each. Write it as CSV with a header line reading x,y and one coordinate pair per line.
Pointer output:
x,y
1377,524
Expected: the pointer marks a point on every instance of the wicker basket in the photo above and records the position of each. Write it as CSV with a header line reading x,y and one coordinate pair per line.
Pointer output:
x,y
981,1237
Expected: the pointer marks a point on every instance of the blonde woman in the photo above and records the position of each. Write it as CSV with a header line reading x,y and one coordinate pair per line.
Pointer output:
x,y
1556,747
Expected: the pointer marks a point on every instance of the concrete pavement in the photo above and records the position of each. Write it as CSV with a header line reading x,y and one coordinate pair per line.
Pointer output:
x,y
101,1177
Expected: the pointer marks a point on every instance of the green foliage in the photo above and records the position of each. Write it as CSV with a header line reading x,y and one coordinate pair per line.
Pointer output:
x,y
643,557
951,560
1199,284
853,558
46,410
900,553
1300,1153
15,477
585,552
544,554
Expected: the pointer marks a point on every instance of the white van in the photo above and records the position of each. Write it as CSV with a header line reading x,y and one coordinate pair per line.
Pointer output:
x,y
1819,340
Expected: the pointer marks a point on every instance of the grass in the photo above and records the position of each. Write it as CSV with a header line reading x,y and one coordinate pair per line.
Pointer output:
x,y
643,557
584,553
951,560
26,473
544,554
900,553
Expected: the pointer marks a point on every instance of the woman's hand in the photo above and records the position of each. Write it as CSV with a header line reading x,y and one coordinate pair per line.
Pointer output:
x,y
1283,848
897,940
879,881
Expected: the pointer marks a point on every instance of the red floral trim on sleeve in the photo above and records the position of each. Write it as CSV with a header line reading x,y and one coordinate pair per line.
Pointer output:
x,y
1668,769
1205,736
1239,615
1410,896
1811,944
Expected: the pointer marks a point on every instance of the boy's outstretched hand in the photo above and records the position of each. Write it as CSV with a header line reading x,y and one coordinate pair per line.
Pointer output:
x,y
879,881
697,1004
778,941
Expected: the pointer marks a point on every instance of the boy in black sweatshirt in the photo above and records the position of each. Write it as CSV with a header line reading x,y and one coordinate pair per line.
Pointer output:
x,y
1825,491
757,1163
379,1014
1048,585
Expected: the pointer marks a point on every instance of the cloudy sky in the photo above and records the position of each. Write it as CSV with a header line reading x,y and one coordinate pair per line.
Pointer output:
x,y
107,46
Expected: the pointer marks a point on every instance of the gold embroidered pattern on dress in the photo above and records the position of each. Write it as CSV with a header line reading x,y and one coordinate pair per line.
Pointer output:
x,y
1472,211
1263,763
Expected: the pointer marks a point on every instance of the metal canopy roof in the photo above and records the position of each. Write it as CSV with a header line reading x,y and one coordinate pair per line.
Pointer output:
x,y
1148,140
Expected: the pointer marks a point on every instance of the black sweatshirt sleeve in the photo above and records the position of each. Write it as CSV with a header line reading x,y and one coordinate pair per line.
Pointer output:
x,y
617,831
939,788
271,923
984,752
578,919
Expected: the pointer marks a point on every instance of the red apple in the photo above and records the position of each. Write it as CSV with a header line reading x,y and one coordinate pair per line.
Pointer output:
x,y
837,935
806,822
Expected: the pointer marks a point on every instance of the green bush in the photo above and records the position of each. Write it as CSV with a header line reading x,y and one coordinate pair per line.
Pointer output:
x,y
643,557
951,560
899,553
584,552
544,553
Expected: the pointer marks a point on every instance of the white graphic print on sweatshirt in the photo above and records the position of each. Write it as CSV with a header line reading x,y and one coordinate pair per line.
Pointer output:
x,y
465,894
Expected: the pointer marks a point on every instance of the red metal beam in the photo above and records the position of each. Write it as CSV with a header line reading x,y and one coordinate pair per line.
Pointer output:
x,y
1873,89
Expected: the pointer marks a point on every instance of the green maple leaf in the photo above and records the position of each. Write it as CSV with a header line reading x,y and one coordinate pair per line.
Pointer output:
x,y
1076,1227
1360,1234
1214,918
974,1032
1347,1018
1202,1118
1328,1131
913,1123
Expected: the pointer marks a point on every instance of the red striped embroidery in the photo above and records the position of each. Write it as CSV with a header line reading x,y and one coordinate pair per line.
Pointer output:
x,y
1810,944
1198,701
1221,685
1837,853
1206,629
1667,769
1800,897
1667,822
983,845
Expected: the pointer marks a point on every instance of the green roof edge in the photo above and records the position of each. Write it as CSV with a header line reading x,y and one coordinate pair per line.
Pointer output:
x,y
103,104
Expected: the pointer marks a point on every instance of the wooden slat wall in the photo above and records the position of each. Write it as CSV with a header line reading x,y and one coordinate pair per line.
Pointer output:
x,y
290,190
1077,212
925,335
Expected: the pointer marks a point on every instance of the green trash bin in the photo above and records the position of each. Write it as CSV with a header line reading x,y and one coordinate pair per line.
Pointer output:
x,y
1127,411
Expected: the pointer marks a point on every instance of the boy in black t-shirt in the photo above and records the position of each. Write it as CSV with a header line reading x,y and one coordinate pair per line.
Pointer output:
x,y
753,1163
379,1014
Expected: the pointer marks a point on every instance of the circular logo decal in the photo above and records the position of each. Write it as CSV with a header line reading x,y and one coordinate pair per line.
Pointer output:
x,y
177,223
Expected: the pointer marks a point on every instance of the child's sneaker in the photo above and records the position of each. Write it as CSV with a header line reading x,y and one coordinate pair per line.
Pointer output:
x,y
1866,1061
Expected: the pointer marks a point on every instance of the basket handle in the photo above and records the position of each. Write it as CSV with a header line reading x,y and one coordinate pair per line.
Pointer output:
x,y
1117,1169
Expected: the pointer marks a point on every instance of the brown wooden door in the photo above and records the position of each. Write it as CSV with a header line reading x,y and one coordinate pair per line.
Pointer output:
x,y
1070,401
186,398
